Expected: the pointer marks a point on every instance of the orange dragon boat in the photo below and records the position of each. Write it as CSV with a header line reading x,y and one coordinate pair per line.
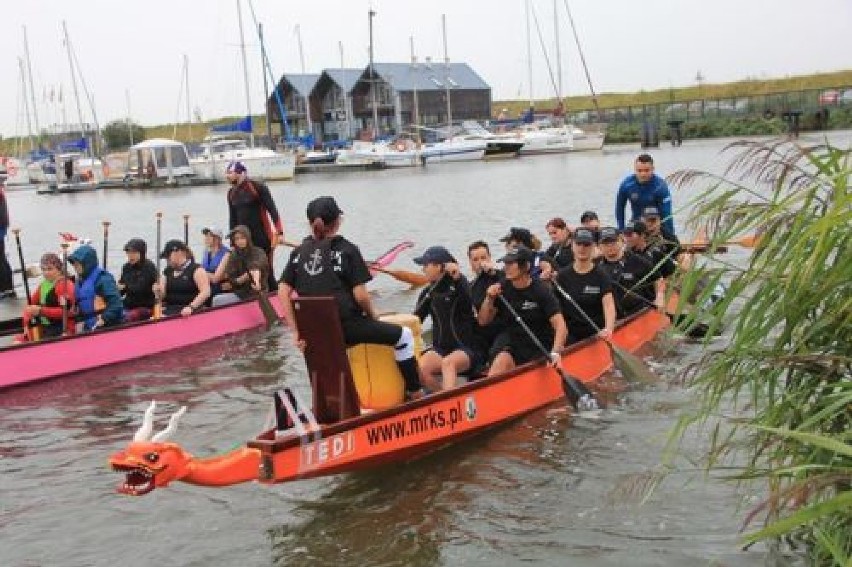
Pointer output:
x,y
335,434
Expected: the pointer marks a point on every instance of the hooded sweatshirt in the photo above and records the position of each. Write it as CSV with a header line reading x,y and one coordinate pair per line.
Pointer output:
x,y
95,282
240,261
138,278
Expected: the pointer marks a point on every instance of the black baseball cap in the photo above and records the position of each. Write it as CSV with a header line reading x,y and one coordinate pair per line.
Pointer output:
x,y
651,212
584,236
638,227
589,216
173,246
324,208
518,254
609,234
434,255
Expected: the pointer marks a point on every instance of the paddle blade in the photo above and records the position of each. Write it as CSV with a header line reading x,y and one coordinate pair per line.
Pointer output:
x,y
749,241
269,313
579,396
631,366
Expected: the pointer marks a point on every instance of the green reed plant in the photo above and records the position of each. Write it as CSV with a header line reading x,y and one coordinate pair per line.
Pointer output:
x,y
776,400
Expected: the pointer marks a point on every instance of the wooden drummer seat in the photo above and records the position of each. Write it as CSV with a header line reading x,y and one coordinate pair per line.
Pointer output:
x,y
334,395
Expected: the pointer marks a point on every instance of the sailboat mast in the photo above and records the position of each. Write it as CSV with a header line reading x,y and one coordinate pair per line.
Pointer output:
x,y
558,52
345,93
26,103
245,67
582,57
188,105
32,89
447,63
415,115
529,52
307,96
73,79
129,123
265,84
372,13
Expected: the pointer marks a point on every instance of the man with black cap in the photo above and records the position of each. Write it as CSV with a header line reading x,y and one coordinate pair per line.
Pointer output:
x,y
136,283
636,284
251,204
636,236
590,288
325,263
644,188
456,347
534,303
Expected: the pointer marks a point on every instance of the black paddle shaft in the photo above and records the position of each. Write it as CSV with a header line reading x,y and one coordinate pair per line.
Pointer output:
x,y
23,265
576,392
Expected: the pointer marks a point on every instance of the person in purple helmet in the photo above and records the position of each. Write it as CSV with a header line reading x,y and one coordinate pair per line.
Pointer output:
x,y
250,204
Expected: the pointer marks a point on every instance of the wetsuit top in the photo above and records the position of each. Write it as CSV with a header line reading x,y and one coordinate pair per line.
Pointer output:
x,y
633,278
588,291
449,305
251,204
654,193
138,280
181,288
535,304
331,266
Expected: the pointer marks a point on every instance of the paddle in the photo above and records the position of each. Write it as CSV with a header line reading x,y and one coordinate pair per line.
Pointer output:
x,y
106,241
269,312
747,241
576,392
186,229
64,297
34,329
158,303
630,365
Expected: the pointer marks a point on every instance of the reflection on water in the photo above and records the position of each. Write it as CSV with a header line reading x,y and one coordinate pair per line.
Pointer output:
x,y
546,489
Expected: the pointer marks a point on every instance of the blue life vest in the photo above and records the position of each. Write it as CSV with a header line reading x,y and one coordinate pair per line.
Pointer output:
x,y
210,262
86,299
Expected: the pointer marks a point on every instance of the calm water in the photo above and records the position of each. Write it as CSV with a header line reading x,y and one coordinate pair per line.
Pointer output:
x,y
545,489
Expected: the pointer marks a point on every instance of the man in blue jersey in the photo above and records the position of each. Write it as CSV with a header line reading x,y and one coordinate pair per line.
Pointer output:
x,y
644,188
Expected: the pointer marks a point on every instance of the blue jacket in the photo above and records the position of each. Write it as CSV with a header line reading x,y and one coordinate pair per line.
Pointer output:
x,y
104,286
655,193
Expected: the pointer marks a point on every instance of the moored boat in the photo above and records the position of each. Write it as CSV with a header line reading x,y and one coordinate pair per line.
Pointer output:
x,y
262,163
51,358
334,436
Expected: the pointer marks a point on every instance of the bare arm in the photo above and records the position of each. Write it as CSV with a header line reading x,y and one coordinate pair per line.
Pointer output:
x,y
560,331
362,297
487,311
609,313
219,275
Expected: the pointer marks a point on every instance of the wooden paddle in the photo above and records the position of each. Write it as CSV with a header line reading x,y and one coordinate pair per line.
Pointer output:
x,y
34,329
630,365
158,297
269,312
576,392
106,242
747,241
411,278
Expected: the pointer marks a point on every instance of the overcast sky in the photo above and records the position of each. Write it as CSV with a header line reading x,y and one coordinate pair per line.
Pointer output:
x,y
138,47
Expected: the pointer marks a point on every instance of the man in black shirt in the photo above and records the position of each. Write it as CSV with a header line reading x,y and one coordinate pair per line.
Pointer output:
x,y
636,236
534,303
658,236
636,284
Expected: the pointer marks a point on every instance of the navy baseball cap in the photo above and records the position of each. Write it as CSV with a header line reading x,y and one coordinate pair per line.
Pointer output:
x,y
651,212
236,167
609,234
584,236
434,255
518,254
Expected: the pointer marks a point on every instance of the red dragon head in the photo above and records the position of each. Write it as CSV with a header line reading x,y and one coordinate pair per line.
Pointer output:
x,y
149,462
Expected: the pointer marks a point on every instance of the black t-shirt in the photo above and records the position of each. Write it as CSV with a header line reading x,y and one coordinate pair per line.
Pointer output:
x,y
449,305
588,291
328,267
477,295
633,280
563,255
661,259
535,304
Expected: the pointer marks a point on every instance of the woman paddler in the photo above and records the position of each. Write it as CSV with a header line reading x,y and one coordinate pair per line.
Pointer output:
x,y
46,303
590,287
328,264
236,269
184,285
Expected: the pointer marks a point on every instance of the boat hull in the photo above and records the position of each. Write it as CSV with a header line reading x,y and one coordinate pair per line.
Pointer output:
x,y
417,428
21,364
278,167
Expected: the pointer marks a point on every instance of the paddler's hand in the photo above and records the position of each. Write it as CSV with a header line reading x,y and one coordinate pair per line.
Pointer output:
x,y
493,291
255,279
605,334
660,304
555,359
32,311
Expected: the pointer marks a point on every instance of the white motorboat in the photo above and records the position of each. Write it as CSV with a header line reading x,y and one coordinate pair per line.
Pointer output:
x,y
261,163
404,151
547,140
158,161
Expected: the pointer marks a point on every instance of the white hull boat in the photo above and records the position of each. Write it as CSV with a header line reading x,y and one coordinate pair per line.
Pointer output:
x,y
261,163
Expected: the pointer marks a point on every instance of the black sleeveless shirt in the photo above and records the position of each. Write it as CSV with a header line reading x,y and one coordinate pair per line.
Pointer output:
x,y
180,284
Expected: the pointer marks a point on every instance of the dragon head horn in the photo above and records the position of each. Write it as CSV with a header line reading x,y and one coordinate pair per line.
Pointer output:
x,y
144,432
171,428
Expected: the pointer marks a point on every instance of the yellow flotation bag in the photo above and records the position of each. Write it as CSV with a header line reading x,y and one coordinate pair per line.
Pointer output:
x,y
374,370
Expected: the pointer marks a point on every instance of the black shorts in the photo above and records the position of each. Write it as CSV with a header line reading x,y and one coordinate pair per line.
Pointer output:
x,y
475,356
359,330
521,351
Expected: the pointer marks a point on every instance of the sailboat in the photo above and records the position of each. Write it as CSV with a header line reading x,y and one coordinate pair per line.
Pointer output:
x,y
228,143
